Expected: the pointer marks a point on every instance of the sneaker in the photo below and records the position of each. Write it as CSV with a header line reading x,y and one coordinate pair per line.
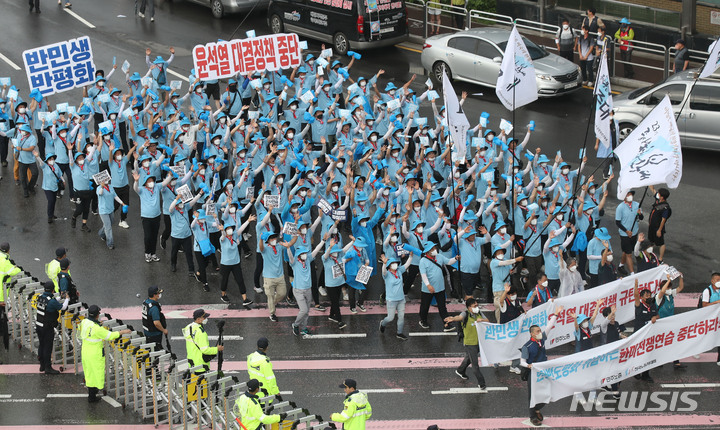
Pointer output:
x,y
206,287
382,327
85,228
290,301
306,331
323,291
152,19
449,328
148,258
124,224
515,370
353,310
94,212
51,371
536,422
461,375
342,325
155,257
362,308
225,299
141,15
482,387
197,276
718,363
295,329
424,325
401,336
333,320
273,318
258,290
320,308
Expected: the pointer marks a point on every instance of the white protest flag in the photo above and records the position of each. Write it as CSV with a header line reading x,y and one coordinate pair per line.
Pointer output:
x,y
668,339
713,62
502,342
603,103
651,154
516,84
457,121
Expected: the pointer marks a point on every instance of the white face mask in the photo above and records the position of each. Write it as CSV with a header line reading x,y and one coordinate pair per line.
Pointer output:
x,y
290,135
649,250
51,162
362,84
363,223
266,86
572,268
584,324
340,165
146,163
543,204
335,188
22,110
293,210
173,183
475,309
118,157
273,242
629,198
523,202
204,321
500,256
112,117
420,229
135,111
559,217
280,180
81,162
233,209
334,255
393,266
406,170
503,230
565,171
150,184
565,26
303,231
201,172
106,137
434,252
717,284
609,258
63,134
303,257
229,231
303,193
159,296
533,221
436,204
386,192
513,297
373,138
293,107
555,249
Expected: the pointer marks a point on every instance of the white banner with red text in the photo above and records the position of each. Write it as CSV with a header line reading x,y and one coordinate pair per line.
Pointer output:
x,y
668,339
502,342
246,56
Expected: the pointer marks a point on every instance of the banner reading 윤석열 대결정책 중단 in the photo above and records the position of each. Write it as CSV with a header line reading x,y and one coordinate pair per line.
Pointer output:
x,y
502,342
246,56
668,339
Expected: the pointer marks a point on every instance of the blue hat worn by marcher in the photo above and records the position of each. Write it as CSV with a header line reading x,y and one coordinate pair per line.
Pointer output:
x,y
429,247
602,233
360,242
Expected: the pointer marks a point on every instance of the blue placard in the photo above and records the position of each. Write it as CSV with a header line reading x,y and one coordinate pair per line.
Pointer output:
x,y
60,67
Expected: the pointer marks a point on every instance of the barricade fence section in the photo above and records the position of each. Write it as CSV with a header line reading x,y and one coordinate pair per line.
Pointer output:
x,y
141,375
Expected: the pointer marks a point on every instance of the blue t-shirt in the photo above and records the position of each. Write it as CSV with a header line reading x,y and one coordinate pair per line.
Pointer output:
x,y
302,274
435,274
149,202
229,255
273,261
394,285
499,275
106,200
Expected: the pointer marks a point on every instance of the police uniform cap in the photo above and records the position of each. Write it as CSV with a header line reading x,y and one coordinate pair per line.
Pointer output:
x,y
64,263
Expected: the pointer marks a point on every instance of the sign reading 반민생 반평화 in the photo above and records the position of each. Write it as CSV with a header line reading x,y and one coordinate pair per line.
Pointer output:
x,y
246,56
60,66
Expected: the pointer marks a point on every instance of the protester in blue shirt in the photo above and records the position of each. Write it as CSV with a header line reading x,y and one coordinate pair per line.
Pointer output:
x,y
302,285
107,198
433,277
625,219
52,177
150,212
500,269
471,250
392,273
273,270
354,258
181,233
230,259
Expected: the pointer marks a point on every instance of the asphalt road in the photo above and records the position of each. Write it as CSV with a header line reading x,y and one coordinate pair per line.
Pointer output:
x,y
112,279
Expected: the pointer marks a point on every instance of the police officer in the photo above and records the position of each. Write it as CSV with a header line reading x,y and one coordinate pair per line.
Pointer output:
x,y
199,351
7,269
48,313
93,334
249,410
52,269
357,407
67,287
260,368
153,320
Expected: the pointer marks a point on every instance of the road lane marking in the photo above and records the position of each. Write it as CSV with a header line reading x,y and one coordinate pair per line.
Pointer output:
x,y
5,396
469,390
226,337
407,48
178,75
336,336
79,18
698,385
65,396
22,400
112,402
10,62
432,333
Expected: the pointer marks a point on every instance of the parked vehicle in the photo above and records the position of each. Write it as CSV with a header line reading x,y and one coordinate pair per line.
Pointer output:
x,y
346,24
700,103
475,56
220,8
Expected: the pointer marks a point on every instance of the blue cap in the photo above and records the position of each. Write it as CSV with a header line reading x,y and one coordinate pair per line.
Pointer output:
x,y
390,86
135,77
336,249
428,247
302,250
267,235
555,242
602,233
360,242
468,234
499,223
624,21
496,249
521,197
158,60
580,318
391,261
26,128
416,223
49,156
543,159
361,197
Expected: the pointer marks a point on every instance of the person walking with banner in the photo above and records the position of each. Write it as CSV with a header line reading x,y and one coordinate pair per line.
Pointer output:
x,y
469,334
646,311
534,352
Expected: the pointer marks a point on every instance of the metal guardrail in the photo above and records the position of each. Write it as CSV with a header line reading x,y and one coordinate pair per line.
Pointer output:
x,y
477,18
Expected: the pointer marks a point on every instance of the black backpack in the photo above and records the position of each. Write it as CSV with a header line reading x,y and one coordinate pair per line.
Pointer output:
x,y
700,301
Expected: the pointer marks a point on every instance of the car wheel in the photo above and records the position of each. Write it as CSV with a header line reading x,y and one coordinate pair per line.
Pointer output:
x,y
341,44
438,69
625,129
217,8
276,24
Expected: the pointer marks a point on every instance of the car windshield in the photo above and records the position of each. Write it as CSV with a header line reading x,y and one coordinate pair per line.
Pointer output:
x,y
536,52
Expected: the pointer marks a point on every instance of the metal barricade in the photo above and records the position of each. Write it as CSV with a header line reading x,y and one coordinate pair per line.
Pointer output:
x,y
65,353
479,18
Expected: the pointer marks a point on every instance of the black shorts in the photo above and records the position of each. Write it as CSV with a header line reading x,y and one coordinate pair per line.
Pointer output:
x,y
469,281
656,240
627,244
213,90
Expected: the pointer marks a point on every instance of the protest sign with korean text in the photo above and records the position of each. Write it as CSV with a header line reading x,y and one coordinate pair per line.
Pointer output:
x,y
245,56
60,66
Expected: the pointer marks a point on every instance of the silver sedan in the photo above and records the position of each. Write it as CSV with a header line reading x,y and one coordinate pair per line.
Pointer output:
x,y
475,55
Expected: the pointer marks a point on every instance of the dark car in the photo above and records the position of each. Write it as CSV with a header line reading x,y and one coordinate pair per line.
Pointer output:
x,y
346,24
